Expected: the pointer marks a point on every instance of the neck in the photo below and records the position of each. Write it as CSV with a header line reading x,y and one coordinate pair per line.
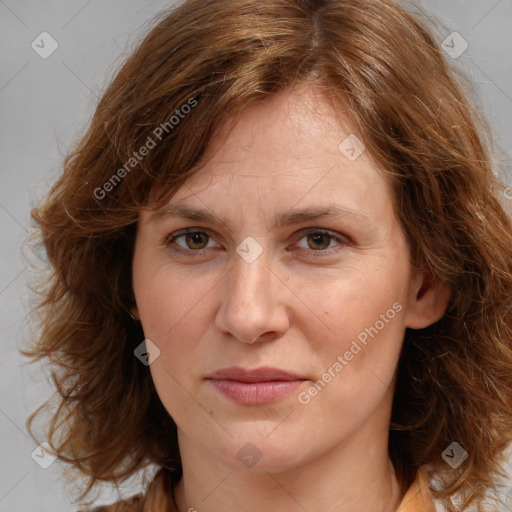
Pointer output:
x,y
355,477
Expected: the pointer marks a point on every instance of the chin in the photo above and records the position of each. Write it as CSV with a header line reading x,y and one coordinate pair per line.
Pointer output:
x,y
259,453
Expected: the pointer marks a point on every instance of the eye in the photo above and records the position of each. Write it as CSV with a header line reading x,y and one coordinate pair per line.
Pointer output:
x,y
321,242
190,240
194,241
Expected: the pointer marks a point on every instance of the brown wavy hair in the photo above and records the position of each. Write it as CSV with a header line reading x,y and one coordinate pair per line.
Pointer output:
x,y
411,105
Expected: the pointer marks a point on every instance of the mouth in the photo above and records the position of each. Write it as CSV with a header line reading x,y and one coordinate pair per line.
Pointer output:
x,y
257,386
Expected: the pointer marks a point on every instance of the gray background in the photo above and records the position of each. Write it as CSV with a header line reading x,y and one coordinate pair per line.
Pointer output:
x,y
45,106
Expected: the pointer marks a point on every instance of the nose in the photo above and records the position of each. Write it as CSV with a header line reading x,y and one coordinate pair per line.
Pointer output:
x,y
253,308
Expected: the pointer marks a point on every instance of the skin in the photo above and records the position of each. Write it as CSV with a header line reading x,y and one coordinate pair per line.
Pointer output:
x,y
207,308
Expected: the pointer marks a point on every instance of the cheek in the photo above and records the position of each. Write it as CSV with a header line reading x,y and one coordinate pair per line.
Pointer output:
x,y
174,391
339,310
174,312
167,299
356,336
174,325
357,363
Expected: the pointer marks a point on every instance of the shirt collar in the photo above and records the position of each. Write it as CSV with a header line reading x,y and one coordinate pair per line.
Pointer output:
x,y
418,497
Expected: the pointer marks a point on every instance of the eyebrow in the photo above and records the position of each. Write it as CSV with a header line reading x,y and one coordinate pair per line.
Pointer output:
x,y
284,219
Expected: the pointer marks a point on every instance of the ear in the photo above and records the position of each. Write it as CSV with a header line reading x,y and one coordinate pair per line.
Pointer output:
x,y
428,300
134,313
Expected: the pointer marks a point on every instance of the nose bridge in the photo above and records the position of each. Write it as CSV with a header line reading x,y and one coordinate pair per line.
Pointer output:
x,y
251,277
252,304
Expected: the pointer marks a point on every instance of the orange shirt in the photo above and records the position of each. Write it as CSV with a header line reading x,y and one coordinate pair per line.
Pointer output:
x,y
416,499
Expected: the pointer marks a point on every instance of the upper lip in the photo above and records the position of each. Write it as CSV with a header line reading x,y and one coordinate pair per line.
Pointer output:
x,y
262,374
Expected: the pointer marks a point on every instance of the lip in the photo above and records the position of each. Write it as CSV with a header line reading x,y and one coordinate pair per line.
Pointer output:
x,y
262,374
256,386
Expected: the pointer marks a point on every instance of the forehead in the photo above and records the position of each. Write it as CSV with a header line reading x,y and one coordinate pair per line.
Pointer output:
x,y
294,148
298,124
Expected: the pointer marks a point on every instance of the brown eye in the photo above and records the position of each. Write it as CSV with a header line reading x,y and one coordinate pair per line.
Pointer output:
x,y
196,240
318,241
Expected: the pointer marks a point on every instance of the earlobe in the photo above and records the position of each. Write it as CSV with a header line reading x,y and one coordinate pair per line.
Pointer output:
x,y
428,301
134,313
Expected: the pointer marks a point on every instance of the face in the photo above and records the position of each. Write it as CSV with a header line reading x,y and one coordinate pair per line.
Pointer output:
x,y
277,286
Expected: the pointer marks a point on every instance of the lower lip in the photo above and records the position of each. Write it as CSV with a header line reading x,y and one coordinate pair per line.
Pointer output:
x,y
253,393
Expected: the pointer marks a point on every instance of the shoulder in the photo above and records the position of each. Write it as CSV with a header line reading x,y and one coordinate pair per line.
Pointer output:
x,y
158,497
133,504
418,497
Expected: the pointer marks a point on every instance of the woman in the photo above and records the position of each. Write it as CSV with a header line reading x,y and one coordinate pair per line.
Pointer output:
x,y
281,272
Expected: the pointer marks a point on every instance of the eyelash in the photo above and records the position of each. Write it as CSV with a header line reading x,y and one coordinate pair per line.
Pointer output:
x,y
169,241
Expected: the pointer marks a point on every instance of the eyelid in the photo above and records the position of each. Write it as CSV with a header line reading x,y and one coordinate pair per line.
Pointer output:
x,y
324,231
342,240
185,231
